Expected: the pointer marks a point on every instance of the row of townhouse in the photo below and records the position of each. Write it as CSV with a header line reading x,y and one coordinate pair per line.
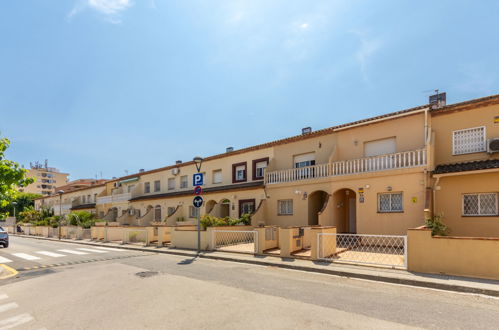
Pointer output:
x,y
380,175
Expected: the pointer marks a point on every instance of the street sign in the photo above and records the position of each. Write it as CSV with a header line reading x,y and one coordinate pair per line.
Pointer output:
x,y
197,201
197,179
198,190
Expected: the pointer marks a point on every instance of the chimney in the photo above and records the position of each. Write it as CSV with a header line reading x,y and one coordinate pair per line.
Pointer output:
x,y
141,170
229,149
178,162
437,100
306,130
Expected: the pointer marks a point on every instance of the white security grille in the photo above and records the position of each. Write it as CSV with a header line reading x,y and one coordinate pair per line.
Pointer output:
x,y
480,204
469,140
385,250
390,202
243,241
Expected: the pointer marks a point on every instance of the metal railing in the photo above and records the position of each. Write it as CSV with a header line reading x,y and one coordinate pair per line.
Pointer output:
x,y
382,250
242,241
406,159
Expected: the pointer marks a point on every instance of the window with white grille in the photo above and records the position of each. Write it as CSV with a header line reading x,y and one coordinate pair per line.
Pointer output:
x,y
157,186
480,204
390,202
157,213
285,207
470,140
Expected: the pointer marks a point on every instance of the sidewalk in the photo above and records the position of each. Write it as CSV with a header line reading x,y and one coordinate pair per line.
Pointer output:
x,y
395,276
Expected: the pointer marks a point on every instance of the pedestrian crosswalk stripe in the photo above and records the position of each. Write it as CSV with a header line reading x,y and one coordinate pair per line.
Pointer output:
x,y
50,254
92,250
108,248
73,252
3,296
4,260
25,256
14,321
8,307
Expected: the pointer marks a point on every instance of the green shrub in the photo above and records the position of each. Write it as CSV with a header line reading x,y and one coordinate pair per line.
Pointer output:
x,y
212,221
436,225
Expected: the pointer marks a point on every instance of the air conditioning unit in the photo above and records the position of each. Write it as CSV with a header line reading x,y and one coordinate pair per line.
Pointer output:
x,y
175,171
493,145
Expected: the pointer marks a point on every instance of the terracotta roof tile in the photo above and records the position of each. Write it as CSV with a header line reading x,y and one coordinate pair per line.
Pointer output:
x,y
467,166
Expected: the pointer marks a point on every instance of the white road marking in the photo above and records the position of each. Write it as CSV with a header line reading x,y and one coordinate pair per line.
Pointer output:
x,y
8,307
73,252
4,260
109,249
3,296
50,254
25,256
15,321
92,250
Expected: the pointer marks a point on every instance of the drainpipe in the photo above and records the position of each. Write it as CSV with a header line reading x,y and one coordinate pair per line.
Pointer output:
x,y
434,197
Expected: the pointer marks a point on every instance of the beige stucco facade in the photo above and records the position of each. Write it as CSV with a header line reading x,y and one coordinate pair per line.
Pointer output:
x,y
46,180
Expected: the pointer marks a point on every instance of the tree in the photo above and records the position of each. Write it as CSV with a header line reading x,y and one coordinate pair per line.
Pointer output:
x,y
12,175
23,200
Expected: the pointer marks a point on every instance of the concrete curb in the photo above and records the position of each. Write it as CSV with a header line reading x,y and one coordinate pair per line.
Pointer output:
x,y
356,275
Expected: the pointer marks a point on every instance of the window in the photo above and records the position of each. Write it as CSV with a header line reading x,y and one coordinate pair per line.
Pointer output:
x,y
183,182
480,204
239,172
95,198
380,147
157,213
390,202
171,183
246,206
285,207
83,199
157,185
147,187
129,188
171,210
304,160
217,176
470,140
259,166
193,212
88,199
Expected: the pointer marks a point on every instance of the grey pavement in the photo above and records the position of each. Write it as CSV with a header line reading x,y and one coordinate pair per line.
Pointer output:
x,y
165,291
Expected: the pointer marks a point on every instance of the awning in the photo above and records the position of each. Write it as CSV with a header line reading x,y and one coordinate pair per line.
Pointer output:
x,y
130,180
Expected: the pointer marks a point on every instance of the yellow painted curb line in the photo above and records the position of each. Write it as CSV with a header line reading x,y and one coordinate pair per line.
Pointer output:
x,y
9,269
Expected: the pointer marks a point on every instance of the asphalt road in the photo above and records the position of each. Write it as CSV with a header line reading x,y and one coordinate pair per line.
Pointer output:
x,y
135,290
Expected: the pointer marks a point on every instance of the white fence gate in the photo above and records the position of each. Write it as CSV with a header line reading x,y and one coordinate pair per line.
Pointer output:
x,y
382,250
242,241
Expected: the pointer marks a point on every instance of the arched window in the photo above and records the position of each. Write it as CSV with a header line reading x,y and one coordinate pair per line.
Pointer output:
x,y
157,213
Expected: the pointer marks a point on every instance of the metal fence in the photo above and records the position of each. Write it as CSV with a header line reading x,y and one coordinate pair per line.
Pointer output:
x,y
242,241
383,250
135,236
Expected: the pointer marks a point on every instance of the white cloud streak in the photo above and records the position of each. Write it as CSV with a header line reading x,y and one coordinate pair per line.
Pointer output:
x,y
110,9
368,48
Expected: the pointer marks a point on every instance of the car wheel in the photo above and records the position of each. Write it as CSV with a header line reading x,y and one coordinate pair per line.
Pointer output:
x,y
6,245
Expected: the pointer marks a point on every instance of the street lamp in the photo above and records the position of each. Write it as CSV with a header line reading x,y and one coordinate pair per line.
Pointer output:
x,y
60,192
14,225
198,161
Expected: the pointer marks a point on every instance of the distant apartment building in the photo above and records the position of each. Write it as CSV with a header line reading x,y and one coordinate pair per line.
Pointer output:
x,y
46,179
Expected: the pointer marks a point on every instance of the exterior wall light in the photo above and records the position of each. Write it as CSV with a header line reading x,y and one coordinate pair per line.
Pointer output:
x,y
198,161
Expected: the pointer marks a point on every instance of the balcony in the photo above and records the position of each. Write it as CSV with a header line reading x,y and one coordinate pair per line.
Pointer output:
x,y
123,197
406,159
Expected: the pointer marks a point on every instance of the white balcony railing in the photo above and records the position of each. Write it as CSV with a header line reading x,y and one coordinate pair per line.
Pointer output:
x,y
398,160
114,198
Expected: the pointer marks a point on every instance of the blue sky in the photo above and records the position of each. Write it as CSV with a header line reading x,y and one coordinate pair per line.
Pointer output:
x,y
113,85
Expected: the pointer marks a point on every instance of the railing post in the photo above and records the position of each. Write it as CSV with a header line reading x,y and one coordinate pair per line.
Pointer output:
x,y
405,251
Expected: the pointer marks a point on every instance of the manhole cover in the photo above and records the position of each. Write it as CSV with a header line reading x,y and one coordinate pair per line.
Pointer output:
x,y
146,274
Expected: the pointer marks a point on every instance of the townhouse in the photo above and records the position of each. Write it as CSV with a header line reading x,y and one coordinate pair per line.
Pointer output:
x,y
465,178
381,175
81,199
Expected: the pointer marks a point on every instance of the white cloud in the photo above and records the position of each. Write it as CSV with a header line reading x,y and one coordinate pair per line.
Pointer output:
x,y
304,25
111,9
368,48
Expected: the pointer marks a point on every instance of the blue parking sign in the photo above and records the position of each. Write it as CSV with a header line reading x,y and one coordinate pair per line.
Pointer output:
x,y
197,179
